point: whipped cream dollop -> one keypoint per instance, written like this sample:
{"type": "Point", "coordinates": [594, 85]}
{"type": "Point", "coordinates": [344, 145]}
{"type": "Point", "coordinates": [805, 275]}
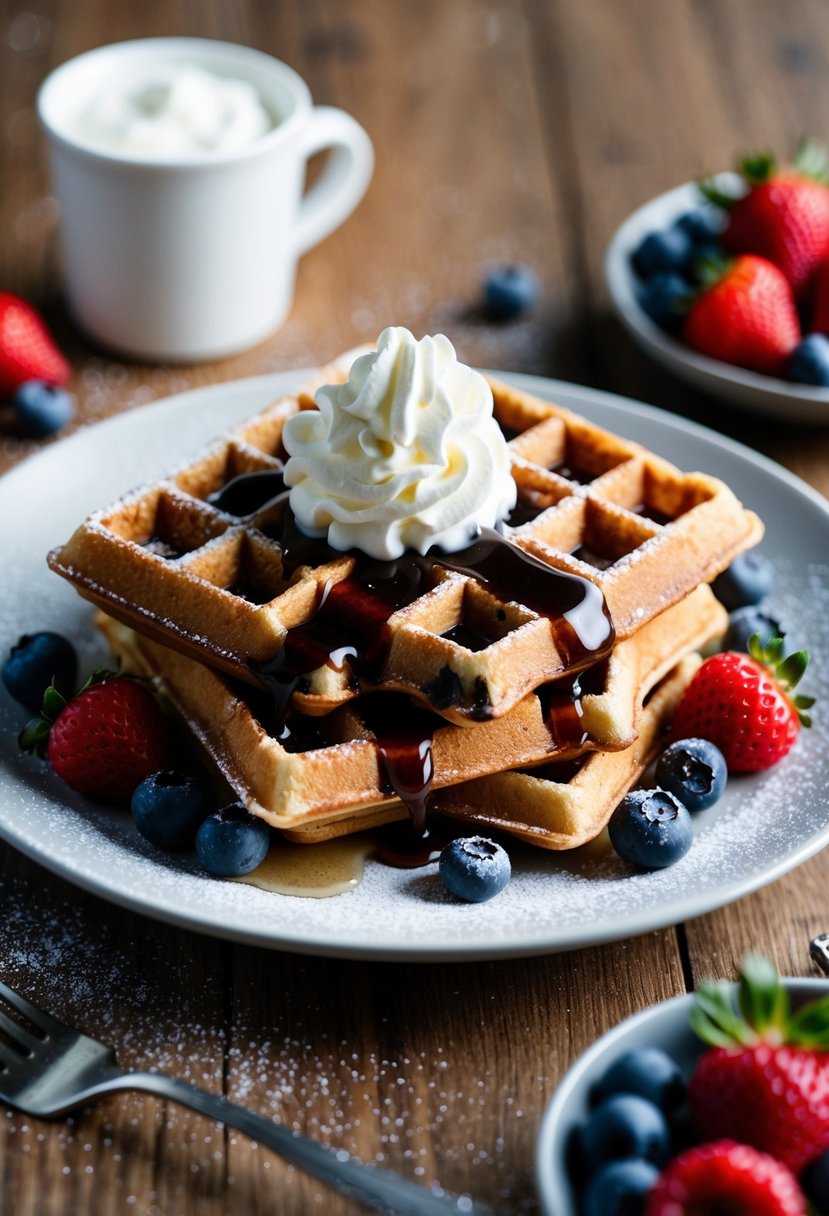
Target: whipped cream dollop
{"type": "Point", "coordinates": [173, 110]}
{"type": "Point", "coordinates": [405, 455]}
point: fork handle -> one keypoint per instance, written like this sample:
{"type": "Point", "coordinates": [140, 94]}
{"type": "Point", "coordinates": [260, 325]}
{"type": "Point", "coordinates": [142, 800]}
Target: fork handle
{"type": "Point", "coordinates": [374, 1187]}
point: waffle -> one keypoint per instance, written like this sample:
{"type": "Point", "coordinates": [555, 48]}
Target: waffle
{"type": "Point", "coordinates": [325, 769]}
{"type": "Point", "coordinates": [558, 806]}
{"type": "Point", "coordinates": [184, 570]}
{"type": "Point", "coordinates": [566, 804]}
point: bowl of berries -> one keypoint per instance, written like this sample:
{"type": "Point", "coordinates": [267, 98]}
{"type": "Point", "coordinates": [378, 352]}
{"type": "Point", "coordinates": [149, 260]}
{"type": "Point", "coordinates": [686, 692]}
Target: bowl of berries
{"type": "Point", "coordinates": [726, 283]}
{"type": "Point", "coordinates": [712, 1102]}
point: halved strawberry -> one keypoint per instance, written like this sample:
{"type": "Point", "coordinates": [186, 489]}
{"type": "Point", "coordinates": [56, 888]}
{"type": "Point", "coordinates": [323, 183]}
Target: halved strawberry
{"type": "Point", "coordinates": [104, 741]}
{"type": "Point", "coordinates": [741, 703]}
{"type": "Point", "coordinates": [27, 350]}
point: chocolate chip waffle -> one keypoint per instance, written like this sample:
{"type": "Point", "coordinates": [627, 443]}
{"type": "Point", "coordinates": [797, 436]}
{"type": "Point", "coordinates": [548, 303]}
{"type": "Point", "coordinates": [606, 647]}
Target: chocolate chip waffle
{"type": "Point", "coordinates": [607, 535]}
{"type": "Point", "coordinates": [323, 769]}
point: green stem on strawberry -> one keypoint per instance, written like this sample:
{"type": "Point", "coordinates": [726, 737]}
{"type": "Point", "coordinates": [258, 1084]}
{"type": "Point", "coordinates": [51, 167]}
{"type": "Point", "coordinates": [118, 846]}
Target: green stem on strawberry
{"type": "Point", "coordinates": [763, 1012]}
{"type": "Point", "coordinates": [34, 737]}
{"type": "Point", "coordinates": [788, 671]}
{"type": "Point", "coordinates": [812, 160]}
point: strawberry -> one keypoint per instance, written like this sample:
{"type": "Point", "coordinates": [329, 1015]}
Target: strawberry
{"type": "Point", "coordinates": [725, 1177]}
{"type": "Point", "coordinates": [104, 741]}
{"type": "Point", "coordinates": [746, 315]}
{"type": "Point", "coordinates": [765, 1079]}
{"type": "Point", "coordinates": [27, 351]}
{"type": "Point", "coordinates": [782, 213]}
{"type": "Point", "coordinates": [740, 702]}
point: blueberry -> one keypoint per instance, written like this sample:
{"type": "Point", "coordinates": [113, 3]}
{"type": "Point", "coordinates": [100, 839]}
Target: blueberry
{"type": "Point", "coordinates": [509, 291]}
{"type": "Point", "coordinates": [651, 829]}
{"type": "Point", "coordinates": [625, 1125]}
{"type": "Point", "coordinates": [658, 252]}
{"type": "Point", "coordinates": [704, 225]}
{"type": "Point", "coordinates": [749, 579]}
{"type": "Point", "coordinates": [809, 361]}
{"type": "Point", "coordinates": [648, 1072]}
{"type": "Point", "coordinates": [474, 869]}
{"type": "Point", "coordinates": [620, 1189]}
{"type": "Point", "coordinates": [42, 408]}
{"type": "Point", "coordinates": [744, 622]}
{"type": "Point", "coordinates": [694, 770]}
{"type": "Point", "coordinates": [815, 1182]}
{"type": "Point", "coordinates": [168, 807]}
{"type": "Point", "coordinates": [32, 664]}
{"type": "Point", "coordinates": [232, 841]}
{"type": "Point", "coordinates": [663, 298]}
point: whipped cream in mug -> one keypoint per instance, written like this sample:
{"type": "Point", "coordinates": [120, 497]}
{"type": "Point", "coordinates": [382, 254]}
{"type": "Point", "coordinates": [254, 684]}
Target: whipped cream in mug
{"type": "Point", "coordinates": [405, 455]}
{"type": "Point", "coordinates": [173, 110]}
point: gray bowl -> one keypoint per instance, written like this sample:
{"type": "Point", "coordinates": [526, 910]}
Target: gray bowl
{"type": "Point", "coordinates": [664, 1025]}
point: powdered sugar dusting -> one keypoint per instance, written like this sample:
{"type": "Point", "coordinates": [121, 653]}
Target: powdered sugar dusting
{"type": "Point", "coordinates": [764, 825]}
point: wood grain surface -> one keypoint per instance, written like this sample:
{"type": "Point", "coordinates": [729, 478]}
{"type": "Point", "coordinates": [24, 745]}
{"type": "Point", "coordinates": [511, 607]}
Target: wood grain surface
{"type": "Point", "coordinates": [503, 131]}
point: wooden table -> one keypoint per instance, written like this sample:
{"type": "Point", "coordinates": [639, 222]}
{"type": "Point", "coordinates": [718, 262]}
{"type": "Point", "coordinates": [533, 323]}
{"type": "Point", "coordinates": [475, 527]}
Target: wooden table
{"type": "Point", "coordinates": [503, 131]}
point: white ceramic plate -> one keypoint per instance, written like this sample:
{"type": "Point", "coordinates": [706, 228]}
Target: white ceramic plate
{"type": "Point", "coordinates": [664, 1025]}
{"type": "Point", "coordinates": [747, 390]}
{"type": "Point", "coordinates": [763, 827]}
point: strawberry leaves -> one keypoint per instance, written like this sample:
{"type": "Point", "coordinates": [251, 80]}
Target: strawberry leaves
{"type": "Point", "coordinates": [762, 1014]}
{"type": "Point", "coordinates": [788, 672]}
{"type": "Point", "coordinates": [34, 737]}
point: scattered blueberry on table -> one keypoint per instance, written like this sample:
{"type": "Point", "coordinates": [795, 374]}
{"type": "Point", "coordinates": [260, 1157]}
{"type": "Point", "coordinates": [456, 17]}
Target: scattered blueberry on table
{"type": "Point", "coordinates": [509, 291]}
{"type": "Point", "coordinates": [34, 662]}
{"type": "Point", "coordinates": [41, 408]}
{"type": "Point", "coordinates": [474, 869]}
{"type": "Point", "coordinates": [168, 808]}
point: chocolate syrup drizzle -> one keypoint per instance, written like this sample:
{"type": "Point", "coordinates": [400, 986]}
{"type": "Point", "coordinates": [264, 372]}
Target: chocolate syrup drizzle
{"type": "Point", "coordinates": [349, 627]}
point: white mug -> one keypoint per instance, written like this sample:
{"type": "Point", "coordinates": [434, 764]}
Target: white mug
{"type": "Point", "coordinates": [194, 258]}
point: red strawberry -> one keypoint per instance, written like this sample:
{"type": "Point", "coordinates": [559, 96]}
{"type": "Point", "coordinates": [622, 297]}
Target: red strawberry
{"type": "Point", "coordinates": [105, 740]}
{"type": "Point", "coordinates": [27, 351]}
{"type": "Point", "coordinates": [765, 1080]}
{"type": "Point", "coordinates": [725, 1177]}
{"type": "Point", "coordinates": [783, 215]}
{"type": "Point", "coordinates": [819, 322]}
{"type": "Point", "coordinates": [740, 702]}
{"type": "Point", "coordinates": [746, 316]}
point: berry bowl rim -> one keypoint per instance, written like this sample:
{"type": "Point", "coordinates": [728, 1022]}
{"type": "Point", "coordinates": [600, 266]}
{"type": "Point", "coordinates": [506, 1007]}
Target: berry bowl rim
{"type": "Point", "coordinates": [741, 388]}
{"type": "Point", "coordinates": [662, 1025]}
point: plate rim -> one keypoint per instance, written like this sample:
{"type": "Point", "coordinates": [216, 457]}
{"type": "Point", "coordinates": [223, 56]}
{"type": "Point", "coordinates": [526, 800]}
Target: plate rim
{"type": "Point", "coordinates": [770, 394]}
{"type": "Point", "coordinates": [274, 384]}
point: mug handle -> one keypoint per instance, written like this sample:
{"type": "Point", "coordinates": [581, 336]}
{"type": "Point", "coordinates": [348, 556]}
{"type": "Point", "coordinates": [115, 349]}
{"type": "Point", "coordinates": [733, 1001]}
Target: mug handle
{"type": "Point", "coordinates": [343, 181]}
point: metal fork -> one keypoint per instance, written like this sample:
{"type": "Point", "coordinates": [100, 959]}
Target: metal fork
{"type": "Point", "coordinates": [48, 1069]}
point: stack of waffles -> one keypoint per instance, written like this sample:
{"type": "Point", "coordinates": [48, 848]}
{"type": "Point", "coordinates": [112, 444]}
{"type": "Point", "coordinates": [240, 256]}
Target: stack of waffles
{"type": "Point", "coordinates": [522, 684]}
